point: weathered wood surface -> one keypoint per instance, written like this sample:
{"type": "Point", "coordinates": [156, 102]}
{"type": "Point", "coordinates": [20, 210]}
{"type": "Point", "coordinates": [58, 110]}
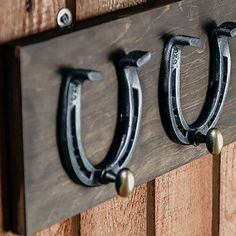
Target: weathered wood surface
{"type": "Point", "coordinates": [64, 229]}
{"type": "Point", "coordinates": [228, 191]}
{"type": "Point", "coordinates": [89, 8]}
{"type": "Point", "coordinates": [183, 200]}
{"type": "Point", "coordinates": [17, 22]}
{"type": "Point", "coordinates": [155, 153]}
{"type": "Point", "coordinates": [117, 216]}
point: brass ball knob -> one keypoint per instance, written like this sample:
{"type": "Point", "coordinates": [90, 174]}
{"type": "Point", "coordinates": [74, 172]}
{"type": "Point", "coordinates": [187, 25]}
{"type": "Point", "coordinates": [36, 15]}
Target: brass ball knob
{"type": "Point", "coordinates": [214, 141]}
{"type": "Point", "coordinates": [124, 182]}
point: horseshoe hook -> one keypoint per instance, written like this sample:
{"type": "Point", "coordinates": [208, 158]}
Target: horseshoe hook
{"type": "Point", "coordinates": [113, 168]}
{"type": "Point", "coordinates": [202, 130]}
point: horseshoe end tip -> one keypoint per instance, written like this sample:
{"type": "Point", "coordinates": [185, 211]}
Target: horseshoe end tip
{"type": "Point", "coordinates": [95, 75]}
{"type": "Point", "coordinates": [144, 58]}
{"type": "Point", "coordinates": [184, 40]}
{"type": "Point", "coordinates": [195, 42]}
{"type": "Point", "coordinates": [136, 58]}
{"type": "Point", "coordinates": [227, 29]}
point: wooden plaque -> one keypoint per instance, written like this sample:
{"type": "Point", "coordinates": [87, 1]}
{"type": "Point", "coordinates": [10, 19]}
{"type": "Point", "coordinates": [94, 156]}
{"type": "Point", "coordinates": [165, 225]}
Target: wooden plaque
{"type": "Point", "coordinates": [41, 192]}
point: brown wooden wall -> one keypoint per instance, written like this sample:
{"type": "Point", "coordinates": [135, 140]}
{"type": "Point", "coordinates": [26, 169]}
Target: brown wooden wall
{"type": "Point", "coordinates": [196, 199]}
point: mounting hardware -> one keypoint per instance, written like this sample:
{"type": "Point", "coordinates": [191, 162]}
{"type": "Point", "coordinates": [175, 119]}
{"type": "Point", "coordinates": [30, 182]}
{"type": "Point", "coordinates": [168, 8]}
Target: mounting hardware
{"type": "Point", "coordinates": [213, 140]}
{"type": "Point", "coordinates": [124, 181]}
{"type": "Point", "coordinates": [64, 17]}
{"type": "Point", "coordinates": [113, 168]}
{"type": "Point", "coordinates": [173, 119]}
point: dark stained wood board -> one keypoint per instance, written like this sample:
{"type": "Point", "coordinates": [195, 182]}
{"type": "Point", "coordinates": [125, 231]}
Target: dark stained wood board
{"type": "Point", "coordinates": [48, 193]}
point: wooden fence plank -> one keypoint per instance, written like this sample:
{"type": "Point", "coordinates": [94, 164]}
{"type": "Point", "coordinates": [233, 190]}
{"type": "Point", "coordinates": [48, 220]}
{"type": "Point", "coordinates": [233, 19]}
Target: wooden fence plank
{"type": "Point", "coordinates": [126, 217]}
{"type": "Point", "coordinates": [63, 229]}
{"type": "Point", "coordinates": [183, 200]}
{"type": "Point", "coordinates": [89, 8]}
{"type": "Point", "coordinates": [17, 22]}
{"type": "Point", "coordinates": [228, 191]}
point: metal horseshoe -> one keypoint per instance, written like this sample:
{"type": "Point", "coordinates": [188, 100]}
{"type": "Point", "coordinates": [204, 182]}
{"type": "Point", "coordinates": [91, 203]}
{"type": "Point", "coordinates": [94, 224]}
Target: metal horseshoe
{"type": "Point", "coordinates": [113, 168]}
{"type": "Point", "coordinates": [201, 131]}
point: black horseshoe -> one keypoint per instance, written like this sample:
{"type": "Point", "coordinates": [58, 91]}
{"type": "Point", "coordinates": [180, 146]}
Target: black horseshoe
{"type": "Point", "coordinates": [78, 167]}
{"type": "Point", "coordinates": [173, 119]}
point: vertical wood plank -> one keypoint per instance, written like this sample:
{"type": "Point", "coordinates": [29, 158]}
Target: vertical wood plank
{"type": "Point", "coordinates": [126, 217]}
{"type": "Point", "coordinates": [89, 8]}
{"type": "Point", "coordinates": [228, 191]}
{"type": "Point", "coordinates": [183, 200]}
{"type": "Point", "coordinates": [65, 228]}
{"type": "Point", "coordinates": [17, 22]}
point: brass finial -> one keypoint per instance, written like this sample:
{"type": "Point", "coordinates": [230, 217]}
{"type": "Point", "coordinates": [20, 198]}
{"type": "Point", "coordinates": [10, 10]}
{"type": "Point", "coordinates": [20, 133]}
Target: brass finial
{"type": "Point", "coordinates": [124, 182]}
{"type": "Point", "coordinates": [214, 141]}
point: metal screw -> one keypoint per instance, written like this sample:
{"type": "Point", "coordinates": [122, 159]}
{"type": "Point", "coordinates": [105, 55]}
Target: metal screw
{"type": "Point", "coordinates": [64, 17]}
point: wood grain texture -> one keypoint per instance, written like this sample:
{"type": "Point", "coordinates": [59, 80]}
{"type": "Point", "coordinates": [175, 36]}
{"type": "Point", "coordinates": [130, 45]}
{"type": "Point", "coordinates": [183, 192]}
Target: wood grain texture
{"type": "Point", "coordinates": [17, 22]}
{"type": "Point", "coordinates": [183, 200]}
{"type": "Point", "coordinates": [63, 229]}
{"type": "Point", "coordinates": [228, 191]}
{"type": "Point", "coordinates": [89, 8]}
{"type": "Point", "coordinates": [117, 216]}
{"type": "Point", "coordinates": [155, 153]}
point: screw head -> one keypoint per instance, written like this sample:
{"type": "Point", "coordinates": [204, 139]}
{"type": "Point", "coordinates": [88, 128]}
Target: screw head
{"type": "Point", "coordinates": [64, 17]}
{"type": "Point", "coordinates": [124, 182]}
{"type": "Point", "coordinates": [214, 141]}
